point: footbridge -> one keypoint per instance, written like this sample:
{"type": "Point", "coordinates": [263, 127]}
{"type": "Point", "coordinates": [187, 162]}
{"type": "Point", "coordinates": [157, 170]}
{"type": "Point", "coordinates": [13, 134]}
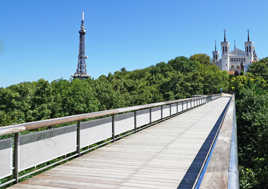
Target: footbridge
{"type": "Point", "coordinates": [187, 143]}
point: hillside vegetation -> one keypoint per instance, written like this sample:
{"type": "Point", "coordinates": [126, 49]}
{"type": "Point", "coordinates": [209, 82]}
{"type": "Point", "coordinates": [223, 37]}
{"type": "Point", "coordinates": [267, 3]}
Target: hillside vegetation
{"type": "Point", "coordinates": [178, 78]}
{"type": "Point", "coordinates": [252, 119]}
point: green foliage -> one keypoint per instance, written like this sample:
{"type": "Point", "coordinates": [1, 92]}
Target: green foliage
{"type": "Point", "coordinates": [201, 58]}
{"type": "Point", "coordinates": [252, 120]}
{"type": "Point", "coordinates": [260, 68]}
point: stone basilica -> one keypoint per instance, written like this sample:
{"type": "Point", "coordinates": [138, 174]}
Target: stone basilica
{"type": "Point", "coordinates": [235, 61]}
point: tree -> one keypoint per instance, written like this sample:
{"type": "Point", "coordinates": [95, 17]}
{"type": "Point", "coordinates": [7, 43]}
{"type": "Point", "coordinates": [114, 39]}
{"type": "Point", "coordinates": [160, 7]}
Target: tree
{"type": "Point", "coordinates": [201, 58]}
{"type": "Point", "coordinates": [260, 68]}
{"type": "Point", "coordinates": [81, 98]}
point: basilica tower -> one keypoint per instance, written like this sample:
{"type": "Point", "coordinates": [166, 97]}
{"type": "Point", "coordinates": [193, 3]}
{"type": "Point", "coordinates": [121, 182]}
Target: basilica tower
{"type": "Point", "coordinates": [250, 52]}
{"type": "Point", "coordinates": [249, 48]}
{"type": "Point", "coordinates": [81, 71]}
{"type": "Point", "coordinates": [215, 54]}
{"type": "Point", "coordinates": [225, 46]}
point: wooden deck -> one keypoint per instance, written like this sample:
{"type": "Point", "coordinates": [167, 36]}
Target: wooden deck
{"type": "Point", "coordinates": [157, 157]}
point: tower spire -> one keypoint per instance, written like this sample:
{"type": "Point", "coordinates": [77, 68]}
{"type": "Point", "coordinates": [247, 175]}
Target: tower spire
{"type": "Point", "coordinates": [248, 36]}
{"type": "Point", "coordinates": [215, 54]}
{"type": "Point", "coordinates": [81, 71]}
{"type": "Point", "coordinates": [83, 16]}
{"type": "Point", "coordinates": [234, 44]}
{"type": "Point", "coordinates": [82, 22]}
{"type": "Point", "coordinates": [225, 35]}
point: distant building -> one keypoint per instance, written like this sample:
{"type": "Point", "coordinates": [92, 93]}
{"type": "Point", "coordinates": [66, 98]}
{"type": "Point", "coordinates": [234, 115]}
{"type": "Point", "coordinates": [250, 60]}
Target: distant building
{"type": "Point", "coordinates": [81, 71]}
{"type": "Point", "coordinates": [235, 61]}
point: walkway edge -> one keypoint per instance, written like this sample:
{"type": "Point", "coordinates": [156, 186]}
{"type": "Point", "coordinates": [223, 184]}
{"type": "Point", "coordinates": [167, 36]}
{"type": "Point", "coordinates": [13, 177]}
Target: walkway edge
{"type": "Point", "coordinates": [222, 168]}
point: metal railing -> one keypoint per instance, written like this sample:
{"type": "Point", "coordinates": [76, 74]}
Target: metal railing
{"type": "Point", "coordinates": [194, 174]}
{"type": "Point", "coordinates": [233, 173]}
{"type": "Point", "coordinates": [213, 135]}
{"type": "Point", "coordinates": [205, 162]}
{"type": "Point", "coordinates": [15, 130]}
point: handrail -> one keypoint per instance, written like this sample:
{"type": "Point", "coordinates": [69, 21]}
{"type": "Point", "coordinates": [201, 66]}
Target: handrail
{"type": "Point", "coordinates": [233, 173]}
{"type": "Point", "coordinates": [218, 126]}
{"type": "Point", "coordinates": [51, 122]}
{"type": "Point", "coordinates": [194, 174]}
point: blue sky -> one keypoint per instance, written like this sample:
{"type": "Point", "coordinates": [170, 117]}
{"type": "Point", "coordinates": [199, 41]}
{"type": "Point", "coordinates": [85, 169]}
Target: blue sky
{"type": "Point", "coordinates": [39, 38]}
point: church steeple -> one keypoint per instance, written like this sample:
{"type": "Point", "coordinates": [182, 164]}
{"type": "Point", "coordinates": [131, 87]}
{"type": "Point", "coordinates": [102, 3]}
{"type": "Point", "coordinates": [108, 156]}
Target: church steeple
{"type": "Point", "coordinates": [225, 45]}
{"type": "Point", "coordinates": [249, 47]}
{"type": "Point", "coordinates": [234, 44]}
{"type": "Point", "coordinates": [215, 54]}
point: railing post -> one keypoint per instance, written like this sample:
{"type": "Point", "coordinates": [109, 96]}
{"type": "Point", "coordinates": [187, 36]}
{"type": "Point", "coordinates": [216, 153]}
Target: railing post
{"type": "Point", "coordinates": [135, 121]}
{"type": "Point", "coordinates": [177, 107]}
{"type": "Point", "coordinates": [150, 115]}
{"type": "Point", "coordinates": [113, 137]}
{"type": "Point", "coordinates": [16, 158]}
{"type": "Point", "coordinates": [170, 110]}
{"type": "Point", "coordinates": [161, 111]}
{"type": "Point", "coordinates": [78, 138]}
{"type": "Point", "coordinates": [182, 106]}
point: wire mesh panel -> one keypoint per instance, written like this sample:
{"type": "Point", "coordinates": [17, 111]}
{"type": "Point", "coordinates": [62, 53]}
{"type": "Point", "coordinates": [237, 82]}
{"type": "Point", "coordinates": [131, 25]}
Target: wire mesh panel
{"type": "Point", "coordinates": [166, 111]}
{"type": "Point", "coordinates": [156, 113]}
{"type": "Point", "coordinates": [173, 109]}
{"type": "Point", "coordinates": [39, 147]}
{"type": "Point", "coordinates": [5, 158]}
{"type": "Point", "coordinates": [95, 131]}
{"type": "Point", "coordinates": [143, 117]}
{"type": "Point", "coordinates": [124, 122]}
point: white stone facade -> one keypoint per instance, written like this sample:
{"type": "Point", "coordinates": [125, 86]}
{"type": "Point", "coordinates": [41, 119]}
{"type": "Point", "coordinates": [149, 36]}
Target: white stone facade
{"type": "Point", "coordinates": [235, 61]}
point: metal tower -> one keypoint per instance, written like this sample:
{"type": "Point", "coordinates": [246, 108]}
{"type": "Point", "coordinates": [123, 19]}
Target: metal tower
{"type": "Point", "coordinates": [81, 71]}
